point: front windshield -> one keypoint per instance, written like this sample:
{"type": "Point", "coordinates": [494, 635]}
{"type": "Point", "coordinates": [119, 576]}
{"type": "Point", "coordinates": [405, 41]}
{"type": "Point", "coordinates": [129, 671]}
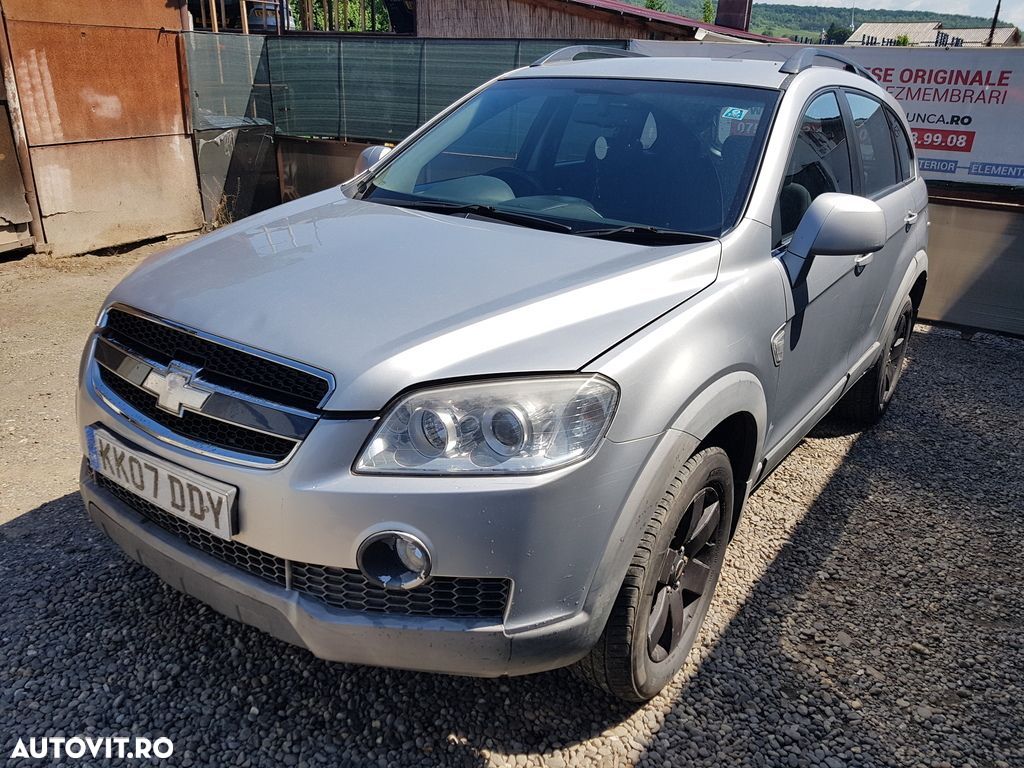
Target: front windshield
{"type": "Point", "coordinates": [591, 154]}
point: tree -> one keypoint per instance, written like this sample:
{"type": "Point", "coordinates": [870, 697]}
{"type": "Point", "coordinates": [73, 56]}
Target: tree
{"type": "Point", "coordinates": [707, 12]}
{"type": "Point", "coordinates": [837, 33]}
{"type": "Point", "coordinates": [376, 13]}
{"type": "Point", "coordinates": [655, 5]}
{"type": "Point", "coordinates": [903, 40]}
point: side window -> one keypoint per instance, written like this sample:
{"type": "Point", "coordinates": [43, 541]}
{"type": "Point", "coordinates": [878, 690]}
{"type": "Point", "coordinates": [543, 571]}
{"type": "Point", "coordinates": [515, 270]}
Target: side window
{"type": "Point", "coordinates": [904, 151]}
{"type": "Point", "coordinates": [875, 142]}
{"type": "Point", "coordinates": [820, 163]}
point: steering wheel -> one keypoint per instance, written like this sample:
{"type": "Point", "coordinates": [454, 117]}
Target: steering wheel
{"type": "Point", "coordinates": [522, 183]}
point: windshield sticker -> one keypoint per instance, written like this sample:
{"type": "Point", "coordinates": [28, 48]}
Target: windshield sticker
{"type": "Point", "coordinates": [734, 113]}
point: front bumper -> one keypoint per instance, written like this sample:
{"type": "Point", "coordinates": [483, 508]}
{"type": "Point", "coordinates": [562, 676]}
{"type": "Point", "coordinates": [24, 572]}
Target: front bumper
{"type": "Point", "coordinates": [563, 539]}
{"type": "Point", "coordinates": [454, 646]}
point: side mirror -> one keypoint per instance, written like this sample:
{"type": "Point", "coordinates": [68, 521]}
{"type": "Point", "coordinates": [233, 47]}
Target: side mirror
{"type": "Point", "coordinates": [839, 225]}
{"type": "Point", "coordinates": [369, 157]}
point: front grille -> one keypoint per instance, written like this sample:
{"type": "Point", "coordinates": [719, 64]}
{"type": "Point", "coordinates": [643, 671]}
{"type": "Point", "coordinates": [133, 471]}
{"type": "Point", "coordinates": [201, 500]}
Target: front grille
{"type": "Point", "coordinates": [198, 427]}
{"type": "Point", "coordinates": [447, 597]}
{"type": "Point", "coordinates": [221, 364]}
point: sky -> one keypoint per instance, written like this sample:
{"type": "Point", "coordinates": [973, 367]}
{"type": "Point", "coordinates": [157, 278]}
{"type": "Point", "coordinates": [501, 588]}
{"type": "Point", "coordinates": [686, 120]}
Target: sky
{"type": "Point", "coordinates": [1012, 10]}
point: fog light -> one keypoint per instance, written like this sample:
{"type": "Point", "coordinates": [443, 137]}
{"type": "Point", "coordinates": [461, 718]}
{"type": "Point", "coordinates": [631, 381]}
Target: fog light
{"type": "Point", "coordinates": [394, 560]}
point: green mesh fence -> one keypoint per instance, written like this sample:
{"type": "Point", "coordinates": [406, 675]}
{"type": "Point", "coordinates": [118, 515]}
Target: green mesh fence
{"type": "Point", "coordinates": [229, 80]}
{"type": "Point", "coordinates": [375, 89]}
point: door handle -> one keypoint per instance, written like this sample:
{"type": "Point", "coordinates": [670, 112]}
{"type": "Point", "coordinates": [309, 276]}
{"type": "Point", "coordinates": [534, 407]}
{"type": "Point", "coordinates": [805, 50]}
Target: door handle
{"type": "Point", "coordinates": [862, 261]}
{"type": "Point", "coordinates": [910, 219]}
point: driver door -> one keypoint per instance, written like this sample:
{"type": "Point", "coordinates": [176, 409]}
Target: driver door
{"type": "Point", "coordinates": [813, 348]}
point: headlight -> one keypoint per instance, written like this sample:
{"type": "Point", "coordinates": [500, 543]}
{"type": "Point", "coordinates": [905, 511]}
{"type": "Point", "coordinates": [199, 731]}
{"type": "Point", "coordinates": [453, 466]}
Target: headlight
{"type": "Point", "coordinates": [506, 426]}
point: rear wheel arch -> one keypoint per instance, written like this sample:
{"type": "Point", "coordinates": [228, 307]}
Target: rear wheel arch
{"type": "Point", "coordinates": [917, 292]}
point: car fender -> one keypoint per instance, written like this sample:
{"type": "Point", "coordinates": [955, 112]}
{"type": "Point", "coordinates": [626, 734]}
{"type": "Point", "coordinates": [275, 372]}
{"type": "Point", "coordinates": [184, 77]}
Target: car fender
{"type": "Point", "coordinates": [732, 393]}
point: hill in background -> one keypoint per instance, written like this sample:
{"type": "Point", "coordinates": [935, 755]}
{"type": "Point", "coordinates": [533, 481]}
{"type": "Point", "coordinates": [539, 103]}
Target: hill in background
{"type": "Point", "coordinates": [809, 20]}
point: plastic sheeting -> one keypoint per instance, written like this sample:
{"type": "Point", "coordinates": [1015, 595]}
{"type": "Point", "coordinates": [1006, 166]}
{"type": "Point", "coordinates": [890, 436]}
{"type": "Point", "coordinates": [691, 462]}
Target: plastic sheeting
{"type": "Point", "coordinates": [336, 87]}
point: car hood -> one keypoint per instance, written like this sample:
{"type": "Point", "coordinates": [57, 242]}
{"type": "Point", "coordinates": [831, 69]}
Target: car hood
{"type": "Point", "coordinates": [385, 298]}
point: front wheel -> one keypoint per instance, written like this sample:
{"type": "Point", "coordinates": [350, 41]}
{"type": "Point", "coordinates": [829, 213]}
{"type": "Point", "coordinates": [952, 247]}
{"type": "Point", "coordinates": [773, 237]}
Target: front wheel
{"type": "Point", "coordinates": [868, 399]}
{"type": "Point", "coordinates": [669, 585]}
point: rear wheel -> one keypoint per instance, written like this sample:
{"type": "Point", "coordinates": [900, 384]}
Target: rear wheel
{"type": "Point", "coordinates": [669, 585]}
{"type": "Point", "coordinates": [869, 398]}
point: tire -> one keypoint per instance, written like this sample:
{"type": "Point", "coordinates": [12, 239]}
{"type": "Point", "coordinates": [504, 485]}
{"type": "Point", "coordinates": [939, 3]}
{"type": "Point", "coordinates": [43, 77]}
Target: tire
{"type": "Point", "coordinates": [668, 566]}
{"type": "Point", "coordinates": [868, 399]}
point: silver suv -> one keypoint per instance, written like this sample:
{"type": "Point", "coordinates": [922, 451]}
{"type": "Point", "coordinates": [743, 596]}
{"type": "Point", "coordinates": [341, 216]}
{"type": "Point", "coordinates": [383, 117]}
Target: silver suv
{"type": "Point", "coordinates": [495, 405]}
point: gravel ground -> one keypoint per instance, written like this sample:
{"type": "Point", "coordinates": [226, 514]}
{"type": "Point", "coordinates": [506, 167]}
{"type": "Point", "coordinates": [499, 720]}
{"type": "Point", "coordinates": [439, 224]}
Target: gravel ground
{"type": "Point", "coordinates": [870, 614]}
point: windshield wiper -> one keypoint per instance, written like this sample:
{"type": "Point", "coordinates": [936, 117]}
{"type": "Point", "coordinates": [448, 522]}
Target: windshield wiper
{"type": "Point", "coordinates": [638, 233]}
{"type": "Point", "coordinates": [478, 209]}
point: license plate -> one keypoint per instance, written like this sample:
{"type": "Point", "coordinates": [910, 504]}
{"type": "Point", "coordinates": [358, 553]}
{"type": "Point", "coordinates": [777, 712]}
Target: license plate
{"type": "Point", "coordinates": [204, 502]}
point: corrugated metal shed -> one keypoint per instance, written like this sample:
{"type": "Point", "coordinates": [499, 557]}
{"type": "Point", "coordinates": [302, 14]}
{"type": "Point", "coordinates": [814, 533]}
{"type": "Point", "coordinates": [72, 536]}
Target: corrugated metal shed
{"type": "Point", "coordinates": [924, 33]}
{"type": "Point", "coordinates": [920, 33]}
{"type": "Point", "coordinates": [1004, 36]}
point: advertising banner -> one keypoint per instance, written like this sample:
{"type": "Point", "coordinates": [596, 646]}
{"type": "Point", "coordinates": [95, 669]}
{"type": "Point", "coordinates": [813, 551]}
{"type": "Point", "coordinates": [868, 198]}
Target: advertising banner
{"type": "Point", "coordinates": [965, 108]}
{"type": "Point", "coordinates": [965, 105]}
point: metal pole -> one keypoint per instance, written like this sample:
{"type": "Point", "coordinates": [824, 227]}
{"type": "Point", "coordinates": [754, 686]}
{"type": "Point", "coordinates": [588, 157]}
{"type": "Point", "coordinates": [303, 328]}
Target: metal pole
{"type": "Point", "coordinates": [995, 20]}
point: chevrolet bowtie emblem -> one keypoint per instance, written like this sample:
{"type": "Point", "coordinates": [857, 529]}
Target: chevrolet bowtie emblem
{"type": "Point", "coordinates": [174, 389]}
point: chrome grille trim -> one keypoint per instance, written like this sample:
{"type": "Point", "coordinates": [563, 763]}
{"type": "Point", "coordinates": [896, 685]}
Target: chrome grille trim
{"type": "Point", "coordinates": [255, 431]}
{"type": "Point", "coordinates": [159, 432]}
{"type": "Point", "coordinates": [251, 412]}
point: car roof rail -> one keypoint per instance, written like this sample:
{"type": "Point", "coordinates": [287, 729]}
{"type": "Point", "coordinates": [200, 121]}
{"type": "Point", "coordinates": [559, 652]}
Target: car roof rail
{"type": "Point", "coordinates": [576, 52]}
{"type": "Point", "coordinates": [804, 59]}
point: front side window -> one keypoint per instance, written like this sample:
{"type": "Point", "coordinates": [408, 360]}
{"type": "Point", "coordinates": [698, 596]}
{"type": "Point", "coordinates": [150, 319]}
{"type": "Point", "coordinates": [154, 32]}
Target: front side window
{"type": "Point", "coordinates": [874, 141]}
{"type": "Point", "coordinates": [591, 154]}
{"type": "Point", "coordinates": [820, 163]}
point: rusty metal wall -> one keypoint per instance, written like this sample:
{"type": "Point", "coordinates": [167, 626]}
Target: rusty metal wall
{"type": "Point", "coordinates": [101, 96]}
{"type": "Point", "coordinates": [152, 14]}
{"type": "Point", "coordinates": [112, 192]}
{"type": "Point", "coordinates": [73, 88]}
{"type": "Point", "coordinates": [976, 262]}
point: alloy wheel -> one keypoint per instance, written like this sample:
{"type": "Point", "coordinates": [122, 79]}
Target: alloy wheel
{"type": "Point", "coordinates": [896, 353]}
{"type": "Point", "coordinates": [685, 578]}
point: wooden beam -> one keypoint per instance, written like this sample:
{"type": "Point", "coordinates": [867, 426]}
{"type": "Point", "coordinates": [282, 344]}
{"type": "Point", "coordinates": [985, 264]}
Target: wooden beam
{"type": "Point", "coordinates": [245, 16]}
{"type": "Point", "coordinates": [35, 226]}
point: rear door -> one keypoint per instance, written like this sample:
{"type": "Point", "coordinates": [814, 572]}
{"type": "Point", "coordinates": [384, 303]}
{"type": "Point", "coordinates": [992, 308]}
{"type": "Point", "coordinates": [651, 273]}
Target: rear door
{"type": "Point", "coordinates": [883, 164]}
